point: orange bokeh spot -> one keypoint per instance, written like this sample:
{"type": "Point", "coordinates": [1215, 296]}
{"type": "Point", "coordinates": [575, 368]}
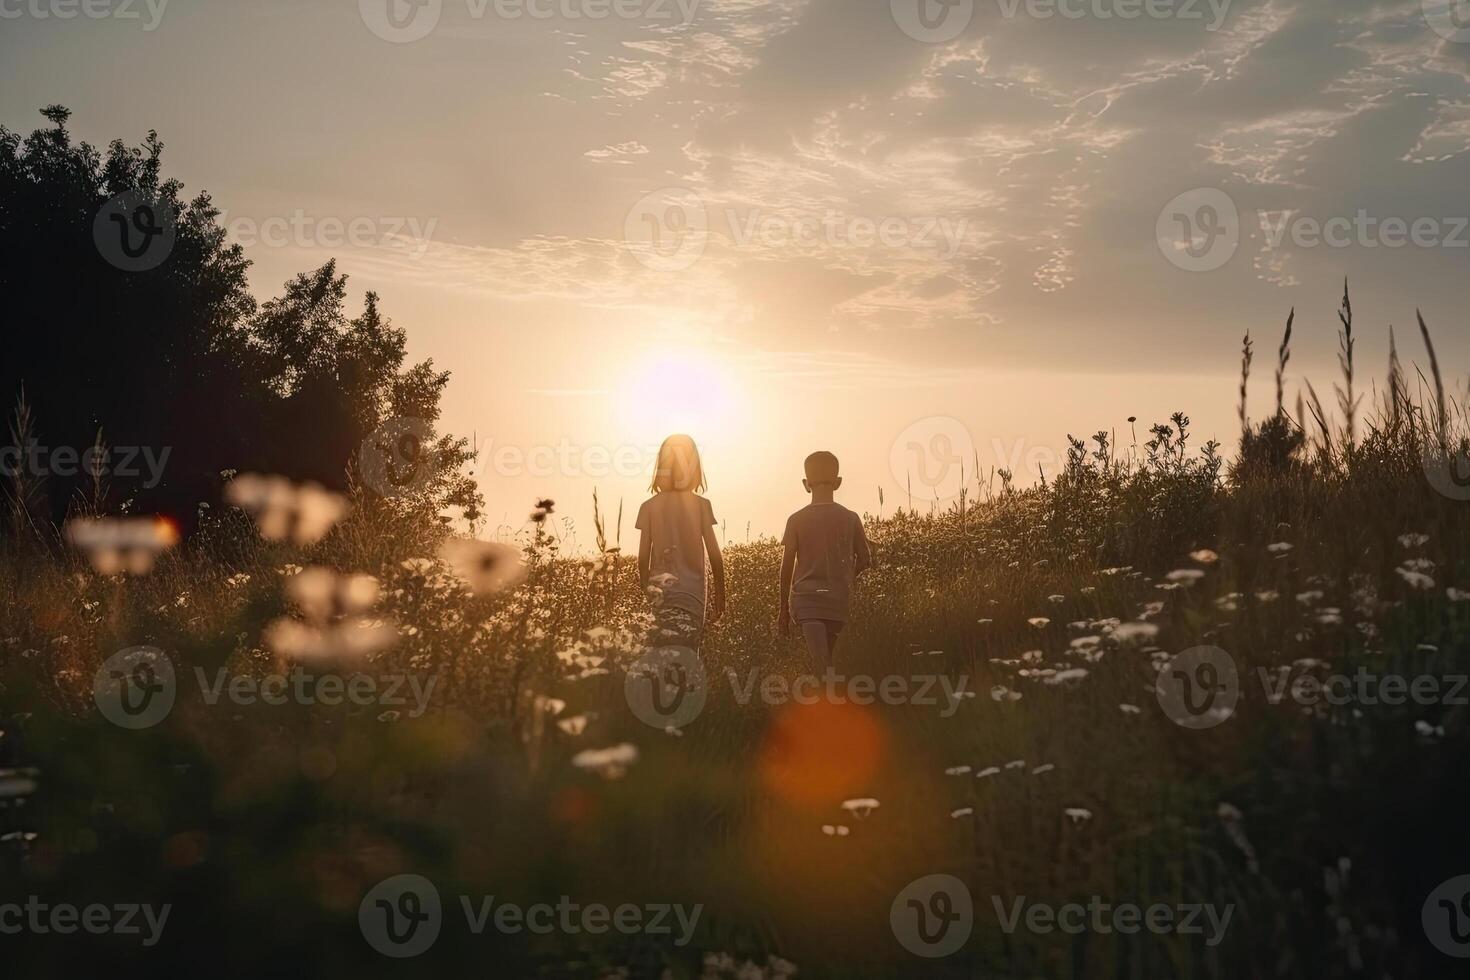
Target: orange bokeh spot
{"type": "Point", "coordinates": [167, 530]}
{"type": "Point", "coordinates": [571, 806]}
{"type": "Point", "coordinates": [815, 755]}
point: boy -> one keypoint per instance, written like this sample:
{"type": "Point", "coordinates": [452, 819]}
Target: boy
{"type": "Point", "coordinates": [826, 550]}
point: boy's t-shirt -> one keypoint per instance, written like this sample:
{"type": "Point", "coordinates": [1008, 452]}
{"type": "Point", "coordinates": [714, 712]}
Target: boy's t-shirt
{"type": "Point", "coordinates": [827, 538]}
{"type": "Point", "coordinates": [676, 521]}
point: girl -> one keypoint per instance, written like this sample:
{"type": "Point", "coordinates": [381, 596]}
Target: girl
{"type": "Point", "coordinates": [678, 528]}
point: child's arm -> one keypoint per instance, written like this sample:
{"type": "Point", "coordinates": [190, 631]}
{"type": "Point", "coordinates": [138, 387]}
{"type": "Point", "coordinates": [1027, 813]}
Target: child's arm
{"type": "Point", "coordinates": [788, 570]}
{"type": "Point", "coordinates": [863, 557]}
{"type": "Point", "coordinates": [717, 572]}
{"type": "Point", "coordinates": [645, 557]}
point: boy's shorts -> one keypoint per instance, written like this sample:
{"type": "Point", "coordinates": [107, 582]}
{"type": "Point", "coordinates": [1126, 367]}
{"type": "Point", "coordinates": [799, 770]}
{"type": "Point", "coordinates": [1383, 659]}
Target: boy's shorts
{"type": "Point", "coordinates": [674, 627]}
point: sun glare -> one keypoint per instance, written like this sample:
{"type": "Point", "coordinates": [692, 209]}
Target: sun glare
{"type": "Point", "coordinates": [680, 391]}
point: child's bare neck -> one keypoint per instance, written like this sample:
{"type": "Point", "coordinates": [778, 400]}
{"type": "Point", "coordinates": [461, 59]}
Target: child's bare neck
{"type": "Point", "coordinates": [822, 496]}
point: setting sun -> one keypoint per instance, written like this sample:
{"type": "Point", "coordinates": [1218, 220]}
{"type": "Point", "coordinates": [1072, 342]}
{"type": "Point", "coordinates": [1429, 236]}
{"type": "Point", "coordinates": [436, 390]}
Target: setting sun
{"type": "Point", "coordinates": [679, 391]}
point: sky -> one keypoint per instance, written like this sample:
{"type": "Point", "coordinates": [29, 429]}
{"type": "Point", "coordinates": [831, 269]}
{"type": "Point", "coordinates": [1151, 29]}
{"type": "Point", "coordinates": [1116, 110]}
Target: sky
{"type": "Point", "coordinates": [917, 233]}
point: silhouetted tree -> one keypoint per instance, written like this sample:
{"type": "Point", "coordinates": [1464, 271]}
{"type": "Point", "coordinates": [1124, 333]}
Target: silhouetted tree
{"type": "Point", "coordinates": [179, 356]}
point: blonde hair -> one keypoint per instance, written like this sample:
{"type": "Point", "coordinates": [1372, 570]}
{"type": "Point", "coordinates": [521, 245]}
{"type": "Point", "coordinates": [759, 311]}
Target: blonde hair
{"type": "Point", "coordinates": [678, 467]}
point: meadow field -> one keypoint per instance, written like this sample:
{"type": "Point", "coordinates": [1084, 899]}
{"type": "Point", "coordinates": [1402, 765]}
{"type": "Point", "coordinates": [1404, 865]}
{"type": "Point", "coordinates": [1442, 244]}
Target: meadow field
{"type": "Point", "coordinates": [1113, 689]}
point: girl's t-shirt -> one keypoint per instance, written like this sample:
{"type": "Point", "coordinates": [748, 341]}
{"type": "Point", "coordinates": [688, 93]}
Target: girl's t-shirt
{"type": "Point", "coordinates": [676, 521]}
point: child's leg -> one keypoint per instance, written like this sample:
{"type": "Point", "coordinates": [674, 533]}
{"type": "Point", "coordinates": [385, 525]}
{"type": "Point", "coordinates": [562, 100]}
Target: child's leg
{"type": "Point", "coordinates": [818, 646]}
{"type": "Point", "coordinates": [834, 630]}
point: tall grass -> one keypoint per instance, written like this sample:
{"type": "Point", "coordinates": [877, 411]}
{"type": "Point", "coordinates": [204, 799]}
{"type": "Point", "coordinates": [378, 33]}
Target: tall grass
{"type": "Point", "coordinates": [1324, 827]}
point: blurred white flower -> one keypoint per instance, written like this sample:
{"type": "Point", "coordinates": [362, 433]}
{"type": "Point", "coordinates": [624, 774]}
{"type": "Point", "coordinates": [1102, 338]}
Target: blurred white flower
{"type": "Point", "coordinates": [1413, 540]}
{"type": "Point", "coordinates": [1185, 576]}
{"type": "Point", "coordinates": [1129, 633]}
{"type": "Point", "coordinates": [575, 725]}
{"type": "Point", "coordinates": [1280, 548]}
{"type": "Point", "coordinates": [609, 763]}
{"type": "Point", "coordinates": [1415, 580]}
{"type": "Point", "coordinates": [1039, 621]}
{"type": "Point", "coordinates": [1457, 595]}
{"type": "Point", "coordinates": [485, 567]}
{"type": "Point", "coordinates": [117, 545]}
{"type": "Point", "coordinates": [1204, 556]}
{"type": "Point", "coordinates": [17, 782]}
{"type": "Point", "coordinates": [862, 809]}
{"type": "Point", "coordinates": [333, 624]}
{"type": "Point", "coordinates": [1067, 676]}
{"type": "Point", "coordinates": [964, 811]}
{"type": "Point", "coordinates": [1078, 814]}
{"type": "Point", "coordinates": [286, 511]}
{"type": "Point", "coordinates": [839, 830]}
{"type": "Point", "coordinates": [1427, 730]}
